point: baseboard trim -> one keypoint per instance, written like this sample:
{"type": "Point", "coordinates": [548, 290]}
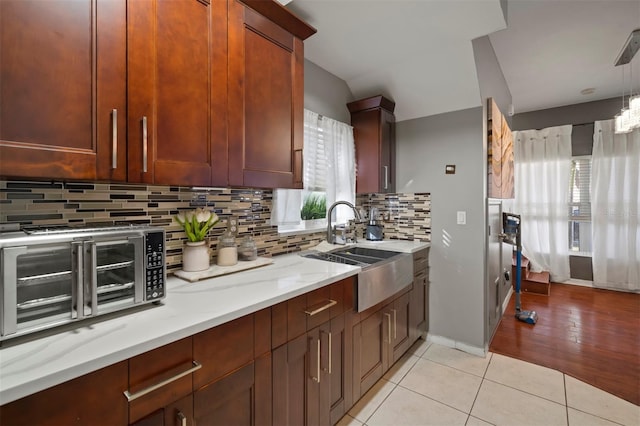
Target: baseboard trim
{"type": "Point", "coordinates": [505, 302]}
{"type": "Point", "coordinates": [445, 341]}
{"type": "Point", "coordinates": [576, 281]}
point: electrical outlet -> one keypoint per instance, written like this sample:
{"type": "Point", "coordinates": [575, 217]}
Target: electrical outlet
{"type": "Point", "coordinates": [462, 218]}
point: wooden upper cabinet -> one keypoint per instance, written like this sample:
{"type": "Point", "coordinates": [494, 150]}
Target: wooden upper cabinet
{"type": "Point", "coordinates": [374, 134]}
{"type": "Point", "coordinates": [499, 154]}
{"type": "Point", "coordinates": [62, 76]}
{"type": "Point", "coordinates": [266, 96]}
{"type": "Point", "coordinates": [177, 80]}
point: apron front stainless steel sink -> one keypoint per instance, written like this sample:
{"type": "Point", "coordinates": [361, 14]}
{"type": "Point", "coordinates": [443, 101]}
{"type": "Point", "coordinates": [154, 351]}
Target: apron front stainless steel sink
{"type": "Point", "coordinates": [383, 273]}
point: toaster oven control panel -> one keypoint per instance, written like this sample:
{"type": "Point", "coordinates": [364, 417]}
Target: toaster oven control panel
{"type": "Point", "coordinates": [155, 277]}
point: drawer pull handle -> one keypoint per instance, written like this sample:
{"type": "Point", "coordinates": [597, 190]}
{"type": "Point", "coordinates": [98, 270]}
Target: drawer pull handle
{"type": "Point", "coordinates": [143, 392]}
{"type": "Point", "coordinates": [315, 309]}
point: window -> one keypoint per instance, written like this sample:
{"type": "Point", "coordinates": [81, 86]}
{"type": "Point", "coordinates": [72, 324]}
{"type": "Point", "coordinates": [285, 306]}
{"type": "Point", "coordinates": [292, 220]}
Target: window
{"type": "Point", "coordinates": [580, 206]}
{"type": "Point", "coordinates": [328, 175]}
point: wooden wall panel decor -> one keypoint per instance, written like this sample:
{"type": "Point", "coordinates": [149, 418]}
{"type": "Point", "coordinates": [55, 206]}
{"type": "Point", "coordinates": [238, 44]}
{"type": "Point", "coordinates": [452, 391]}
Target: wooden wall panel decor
{"type": "Point", "coordinates": [500, 172]}
{"type": "Point", "coordinates": [507, 171]}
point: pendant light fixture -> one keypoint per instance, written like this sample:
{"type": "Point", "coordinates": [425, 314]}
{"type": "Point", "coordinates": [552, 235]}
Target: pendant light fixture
{"type": "Point", "coordinates": [629, 117]}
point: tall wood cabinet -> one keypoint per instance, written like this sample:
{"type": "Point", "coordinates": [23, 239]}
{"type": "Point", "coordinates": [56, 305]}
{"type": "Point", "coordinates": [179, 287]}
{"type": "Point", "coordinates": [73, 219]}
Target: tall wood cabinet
{"type": "Point", "coordinates": [500, 165]}
{"type": "Point", "coordinates": [177, 73]}
{"type": "Point", "coordinates": [63, 86]}
{"type": "Point", "coordinates": [374, 134]}
{"type": "Point", "coordinates": [183, 92]}
{"type": "Point", "coordinates": [266, 100]}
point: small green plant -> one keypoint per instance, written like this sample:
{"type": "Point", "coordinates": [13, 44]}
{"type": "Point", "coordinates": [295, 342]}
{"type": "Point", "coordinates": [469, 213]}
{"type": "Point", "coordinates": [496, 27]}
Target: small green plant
{"type": "Point", "coordinates": [314, 207]}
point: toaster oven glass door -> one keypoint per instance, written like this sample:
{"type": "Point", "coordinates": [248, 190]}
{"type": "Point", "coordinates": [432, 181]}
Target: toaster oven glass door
{"type": "Point", "coordinates": [116, 274]}
{"type": "Point", "coordinates": [40, 286]}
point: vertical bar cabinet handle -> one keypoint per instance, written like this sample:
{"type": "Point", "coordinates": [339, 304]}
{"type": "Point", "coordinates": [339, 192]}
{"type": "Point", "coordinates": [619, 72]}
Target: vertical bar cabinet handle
{"type": "Point", "coordinates": [182, 419]}
{"type": "Point", "coordinates": [395, 323]}
{"type": "Point", "coordinates": [329, 352]}
{"type": "Point", "coordinates": [114, 138]}
{"type": "Point", "coordinates": [318, 369]}
{"type": "Point", "coordinates": [389, 328]}
{"type": "Point", "coordinates": [145, 136]}
{"type": "Point", "coordinates": [386, 177]}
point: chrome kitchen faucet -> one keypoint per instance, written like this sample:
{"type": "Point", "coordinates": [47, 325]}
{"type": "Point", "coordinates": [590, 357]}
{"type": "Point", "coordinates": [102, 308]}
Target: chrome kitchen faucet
{"type": "Point", "coordinates": [331, 230]}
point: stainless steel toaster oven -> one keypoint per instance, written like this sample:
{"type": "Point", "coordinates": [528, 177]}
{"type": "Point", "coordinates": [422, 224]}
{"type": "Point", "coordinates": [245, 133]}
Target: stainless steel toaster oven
{"type": "Point", "coordinates": [56, 275]}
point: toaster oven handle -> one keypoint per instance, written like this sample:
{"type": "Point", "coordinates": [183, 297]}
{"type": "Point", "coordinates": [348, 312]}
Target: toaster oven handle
{"type": "Point", "coordinates": [93, 271]}
{"type": "Point", "coordinates": [9, 287]}
{"type": "Point", "coordinates": [78, 279]}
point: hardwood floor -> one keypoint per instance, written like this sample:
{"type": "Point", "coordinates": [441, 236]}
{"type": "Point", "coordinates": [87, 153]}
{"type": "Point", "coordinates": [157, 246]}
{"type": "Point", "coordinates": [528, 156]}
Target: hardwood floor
{"type": "Point", "coordinates": [590, 334]}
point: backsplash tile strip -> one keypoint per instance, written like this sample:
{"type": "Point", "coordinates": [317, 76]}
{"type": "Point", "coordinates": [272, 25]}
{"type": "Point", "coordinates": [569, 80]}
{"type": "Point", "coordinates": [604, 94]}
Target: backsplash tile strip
{"type": "Point", "coordinates": [48, 203]}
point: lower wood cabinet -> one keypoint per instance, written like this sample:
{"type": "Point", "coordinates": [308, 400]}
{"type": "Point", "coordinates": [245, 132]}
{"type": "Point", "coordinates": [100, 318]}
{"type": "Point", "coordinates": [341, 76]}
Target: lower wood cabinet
{"type": "Point", "coordinates": [178, 413]}
{"type": "Point", "coordinates": [398, 316]}
{"type": "Point", "coordinates": [305, 361]}
{"type": "Point", "coordinates": [419, 295]}
{"type": "Point", "coordinates": [240, 398]}
{"type": "Point", "coordinates": [93, 399]}
{"type": "Point", "coordinates": [312, 372]}
{"type": "Point", "coordinates": [370, 351]}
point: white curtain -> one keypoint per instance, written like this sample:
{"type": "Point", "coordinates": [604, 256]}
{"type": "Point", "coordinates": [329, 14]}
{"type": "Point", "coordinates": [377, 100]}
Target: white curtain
{"type": "Point", "coordinates": [542, 161]}
{"type": "Point", "coordinates": [615, 202]}
{"type": "Point", "coordinates": [329, 166]}
{"type": "Point", "coordinates": [340, 154]}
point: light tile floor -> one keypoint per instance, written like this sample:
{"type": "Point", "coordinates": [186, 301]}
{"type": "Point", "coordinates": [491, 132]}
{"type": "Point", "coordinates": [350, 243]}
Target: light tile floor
{"type": "Point", "coordinates": [436, 385]}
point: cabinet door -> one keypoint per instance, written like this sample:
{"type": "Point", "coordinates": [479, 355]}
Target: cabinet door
{"type": "Point", "coordinates": [177, 92]}
{"type": "Point", "coordinates": [340, 349]}
{"type": "Point", "coordinates": [400, 341]}
{"type": "Point", "coordinates": [179, 413]}
{"type": "Point", "coordinates": [291, 372]}
{"type": "Point", "coordinates": [62, 76]}
{"type": "Point", "coordinates": [371, 340]}
{"type": "Point", "coordinates": [418, 306]}
{"type": "Point", "coordinates": [387, 151]}
{"type": "Point", "coordinates": [92, 399]}
{"type": "Point", "coordinates": [266, 97]}
{"type": "Point", "coordinates": [234, 399]}
{"type": "Point", "coordinates": [366, 133]}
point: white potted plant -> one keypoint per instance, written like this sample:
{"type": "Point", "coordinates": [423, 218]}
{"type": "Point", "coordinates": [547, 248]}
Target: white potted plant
{"type": "Point", "coordinates": [196, 224]}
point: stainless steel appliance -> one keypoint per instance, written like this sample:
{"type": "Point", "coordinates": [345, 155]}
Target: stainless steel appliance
{"type": "Point", "coordinates": [60, 274]}
{"type": "Point", "coordinates": [374, 231]}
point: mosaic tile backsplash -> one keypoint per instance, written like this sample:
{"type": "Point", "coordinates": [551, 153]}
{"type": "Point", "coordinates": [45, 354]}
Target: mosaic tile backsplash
{"type": "Point", "coordinates": [48, 203]}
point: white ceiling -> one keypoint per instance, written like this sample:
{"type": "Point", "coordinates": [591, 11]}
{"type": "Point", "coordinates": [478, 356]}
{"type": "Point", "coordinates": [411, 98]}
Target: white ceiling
{"type": "Point", "coordinates": [419, 53]}
{"type": "Point", "coordinates": [554, 49]}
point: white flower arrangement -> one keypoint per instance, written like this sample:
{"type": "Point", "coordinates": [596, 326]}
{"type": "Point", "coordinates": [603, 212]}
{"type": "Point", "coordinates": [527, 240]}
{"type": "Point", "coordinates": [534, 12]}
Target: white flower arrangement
{"type": "Point", "coordinates": [196, 223]}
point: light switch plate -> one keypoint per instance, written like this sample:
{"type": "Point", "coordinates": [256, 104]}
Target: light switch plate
{"type": "Point", "coordinates": [462, 218]}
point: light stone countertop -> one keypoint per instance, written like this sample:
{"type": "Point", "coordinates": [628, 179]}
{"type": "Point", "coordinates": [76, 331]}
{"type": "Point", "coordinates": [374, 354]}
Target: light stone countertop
{"type": "Point", "coordinates": [32, 364]}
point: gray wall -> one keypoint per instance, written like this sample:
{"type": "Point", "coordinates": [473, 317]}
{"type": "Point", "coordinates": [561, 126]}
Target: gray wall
{"type": "Point", "coordinates": [325, 93]}
{"type": "Point", "coordinates": [492, 85]}
{"type": "Point", "coordinates": [490, 78]}
{"type": "Point", "coordinates": [586, 112]}
{"type": "Point", "coordinates": [424, 146]}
